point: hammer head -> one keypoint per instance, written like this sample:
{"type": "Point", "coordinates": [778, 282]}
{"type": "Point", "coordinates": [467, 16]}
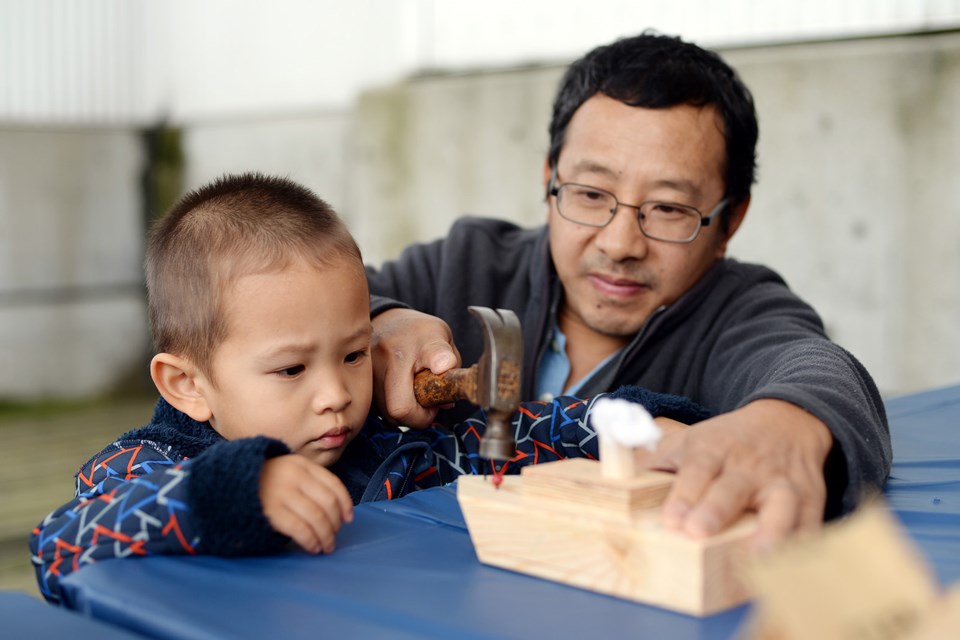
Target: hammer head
{"type": "Point", "coordinates": [498, 378]}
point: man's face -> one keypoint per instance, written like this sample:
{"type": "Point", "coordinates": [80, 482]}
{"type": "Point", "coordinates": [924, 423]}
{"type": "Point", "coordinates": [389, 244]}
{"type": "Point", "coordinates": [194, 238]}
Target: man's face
{"type": "Point", "coordinates": [614, 277]}
{"type": "Point", "coordinates": [296, 361]}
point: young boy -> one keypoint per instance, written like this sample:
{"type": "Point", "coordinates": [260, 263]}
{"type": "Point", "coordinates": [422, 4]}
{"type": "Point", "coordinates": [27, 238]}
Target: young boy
{"type": "Point", "coordinates": [259, 310]}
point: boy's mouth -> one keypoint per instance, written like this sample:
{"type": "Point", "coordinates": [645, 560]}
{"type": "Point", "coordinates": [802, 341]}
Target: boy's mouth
{"type": "Point", "coordinates": [333, 439]}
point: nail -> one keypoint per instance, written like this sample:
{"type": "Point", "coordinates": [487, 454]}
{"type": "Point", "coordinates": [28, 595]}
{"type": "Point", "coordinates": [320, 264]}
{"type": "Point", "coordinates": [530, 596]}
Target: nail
{"type": "Point", "coordinates": [674, 513]}
{"type": "Point", "coordinates": [702, 523]}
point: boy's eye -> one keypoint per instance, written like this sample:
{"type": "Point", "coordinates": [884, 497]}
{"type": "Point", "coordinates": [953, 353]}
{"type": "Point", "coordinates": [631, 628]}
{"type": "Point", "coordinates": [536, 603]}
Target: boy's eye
{"type": "Point", "coordinates": [355, 356]}
{"type": "Point", "coordinates": [290, 372]}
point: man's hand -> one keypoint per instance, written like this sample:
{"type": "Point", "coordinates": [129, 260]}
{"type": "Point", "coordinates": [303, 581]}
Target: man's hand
{"type": "Point", "coordinates": [305, 501]}
{"type": "Point", "coordinates": [767, 457]}
{"type": "Point", "coordinates": [404, 342]}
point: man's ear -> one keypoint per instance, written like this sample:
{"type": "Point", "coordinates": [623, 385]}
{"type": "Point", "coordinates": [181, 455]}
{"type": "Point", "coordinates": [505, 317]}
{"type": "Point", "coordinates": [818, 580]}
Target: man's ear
{"type": "Point", "coordinates": [547, 173]}
{"type": "Point", "coordinates": [181, 385]}
{"type": "Point", "coordinates": [737, 213]}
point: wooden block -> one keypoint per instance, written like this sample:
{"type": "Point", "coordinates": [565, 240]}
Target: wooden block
{"type": "Point", "coordinates": [616, 461]}
{"type": "Point", "coordinates": [859, 578]}
{"type": "Point", "coordinates": [623, 427]}
{"type": "Point", "coordinates": [580, 484]}
{"type": "Point", "coordinates": [593, 547]}
{"type": "Point", "coordinates": [943, 621]}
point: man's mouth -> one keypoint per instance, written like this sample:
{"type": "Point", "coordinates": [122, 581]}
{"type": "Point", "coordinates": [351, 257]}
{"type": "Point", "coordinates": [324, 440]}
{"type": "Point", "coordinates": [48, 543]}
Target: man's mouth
{"type": "Point", "coordinates": [616, 287]}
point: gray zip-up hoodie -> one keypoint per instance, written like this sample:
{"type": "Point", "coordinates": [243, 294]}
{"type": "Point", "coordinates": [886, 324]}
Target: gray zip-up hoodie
{"type": "Point", "coordinates": [738, 335]}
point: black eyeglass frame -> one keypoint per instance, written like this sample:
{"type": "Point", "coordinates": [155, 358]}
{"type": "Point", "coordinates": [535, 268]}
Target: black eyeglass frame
{"type": "Point", "coordinates": [553, 189]}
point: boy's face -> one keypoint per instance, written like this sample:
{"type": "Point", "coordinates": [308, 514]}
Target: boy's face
{"type": "Point", "coordinates": [295, 364]}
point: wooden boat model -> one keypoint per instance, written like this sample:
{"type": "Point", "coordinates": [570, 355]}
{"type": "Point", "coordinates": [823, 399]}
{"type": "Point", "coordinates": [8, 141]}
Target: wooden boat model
{"type": "Point", "coordinates": [570, 522]}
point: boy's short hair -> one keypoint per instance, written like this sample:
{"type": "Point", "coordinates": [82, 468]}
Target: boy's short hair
{"type": "Point", "coordinates": [234, 226]}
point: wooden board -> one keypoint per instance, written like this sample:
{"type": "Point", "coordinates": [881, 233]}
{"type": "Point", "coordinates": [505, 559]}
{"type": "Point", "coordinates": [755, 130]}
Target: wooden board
{"type": "Point", "coordinates": [943, 620]}
{"type": "Point", "coordinates": [861, 577]}
{"type": "Point", "coordinates": [568, 532]}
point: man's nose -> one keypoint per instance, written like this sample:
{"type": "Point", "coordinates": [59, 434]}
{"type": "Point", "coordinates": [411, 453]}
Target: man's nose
{"type": "Point", "coordinates": [622, 238]}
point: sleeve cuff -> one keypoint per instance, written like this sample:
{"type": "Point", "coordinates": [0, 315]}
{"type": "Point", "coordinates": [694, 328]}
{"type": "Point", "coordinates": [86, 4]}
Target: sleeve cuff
{"type": "Point", "coordinates": [224, 494]}
{"type": "Point", "coordinates": [663, 405]}
{"type": "Point", "coordinates": [379, 304]}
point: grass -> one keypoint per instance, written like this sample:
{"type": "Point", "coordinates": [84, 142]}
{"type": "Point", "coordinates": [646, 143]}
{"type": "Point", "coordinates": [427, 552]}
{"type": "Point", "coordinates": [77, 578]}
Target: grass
{"type": "Point", "coordinates": [43, 446]}
{"type": "Point", "coordinates": [11, 410]}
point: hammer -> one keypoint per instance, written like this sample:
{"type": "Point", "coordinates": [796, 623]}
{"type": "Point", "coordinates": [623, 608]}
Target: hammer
{"type": "Point", "coordinates": [492, 383]}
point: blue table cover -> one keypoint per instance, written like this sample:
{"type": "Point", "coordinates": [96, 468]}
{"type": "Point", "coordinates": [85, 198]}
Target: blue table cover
{"type": "Point", "coordinates": [407, 569]}
{"type": "Point", "coordinates": [24, 616]}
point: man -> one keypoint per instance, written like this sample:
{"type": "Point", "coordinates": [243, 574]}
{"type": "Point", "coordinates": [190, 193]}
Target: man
{"type": "Point", "coordinates": [648, 176]}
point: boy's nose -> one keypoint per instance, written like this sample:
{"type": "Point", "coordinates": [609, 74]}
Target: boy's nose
{"type": "Point", "coordinates": [331, 396]}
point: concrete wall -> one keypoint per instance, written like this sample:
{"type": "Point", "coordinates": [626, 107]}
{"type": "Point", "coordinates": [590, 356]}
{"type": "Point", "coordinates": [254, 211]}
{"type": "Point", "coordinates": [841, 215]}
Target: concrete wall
{"type": "Point", "coordinates": [71, 306]}
{"type": "Point", "coordinates": [435, 148]}
{"type": "Point", "coordinates": [858, 203]}
{"type": "Point", "coordinates": [308, 148]}
{"type": "Point", "coordinates": [72, 309]}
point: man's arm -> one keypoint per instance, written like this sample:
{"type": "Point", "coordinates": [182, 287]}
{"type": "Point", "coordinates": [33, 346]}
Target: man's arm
{"type": "Point", "coordinates": [803, 434]}
{"type": "Point", "coordinates": [406, 340]}
{"type": "Point", "coordinates": [481, 262]}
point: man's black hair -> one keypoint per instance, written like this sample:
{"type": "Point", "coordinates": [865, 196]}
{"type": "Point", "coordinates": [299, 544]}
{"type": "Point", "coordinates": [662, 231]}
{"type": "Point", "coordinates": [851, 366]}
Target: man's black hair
{"type": "Point", "coordinates": [655, 72]}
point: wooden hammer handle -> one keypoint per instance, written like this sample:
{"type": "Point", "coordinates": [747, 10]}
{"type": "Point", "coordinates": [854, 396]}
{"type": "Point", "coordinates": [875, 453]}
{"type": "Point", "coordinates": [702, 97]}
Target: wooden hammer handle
{"type": "Point", "coordinates": [432, 390]}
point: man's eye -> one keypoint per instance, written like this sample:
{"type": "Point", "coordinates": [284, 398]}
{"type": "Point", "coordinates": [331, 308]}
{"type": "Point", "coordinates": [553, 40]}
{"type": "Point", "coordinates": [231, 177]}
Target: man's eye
{"type": "Point", "coordinates": [589, 196]}
{"type": "Point", "coordinates": [667, 209]}
{"type": "Point", "coordinates": [290, 372]}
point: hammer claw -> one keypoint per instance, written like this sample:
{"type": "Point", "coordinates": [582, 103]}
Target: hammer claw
{"type": "Point", "coordinates": [493, 382]}
{"type": "Point", "coordinates": [498, 370]}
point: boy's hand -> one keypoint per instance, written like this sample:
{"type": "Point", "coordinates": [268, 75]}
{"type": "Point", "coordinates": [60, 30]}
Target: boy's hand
{"type": "Point", "coordinates": [305, 501]}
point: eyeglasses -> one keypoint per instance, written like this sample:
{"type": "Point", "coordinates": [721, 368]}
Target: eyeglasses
{"type": "Point", "coordinates": [666, 221]}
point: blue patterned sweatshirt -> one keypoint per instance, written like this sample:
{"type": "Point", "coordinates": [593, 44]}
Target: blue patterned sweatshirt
{"type": "Point", "coordinates": [177, 486]}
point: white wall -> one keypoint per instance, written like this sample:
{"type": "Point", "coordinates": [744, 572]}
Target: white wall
{"type": "Point", "coordinates": [139, 61]}
{"type": "Point", "coordinates": [123, 62]}
{"type": "Point", "coordinates": [460, 35]}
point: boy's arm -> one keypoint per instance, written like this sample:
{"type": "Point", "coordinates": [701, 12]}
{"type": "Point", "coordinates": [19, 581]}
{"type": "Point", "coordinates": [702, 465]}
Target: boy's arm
{"type": "Point", "coordinates": [139, 498]}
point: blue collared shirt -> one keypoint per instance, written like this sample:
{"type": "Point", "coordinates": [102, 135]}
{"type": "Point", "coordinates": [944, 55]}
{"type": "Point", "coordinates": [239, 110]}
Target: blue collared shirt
{"type": "Point", "coordinates": [555, 369]}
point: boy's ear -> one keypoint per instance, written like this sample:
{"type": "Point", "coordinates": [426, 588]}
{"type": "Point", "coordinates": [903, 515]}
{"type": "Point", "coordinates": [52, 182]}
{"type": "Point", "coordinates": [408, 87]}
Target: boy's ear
{"type": "Point", "coordinates": [181, 385]}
